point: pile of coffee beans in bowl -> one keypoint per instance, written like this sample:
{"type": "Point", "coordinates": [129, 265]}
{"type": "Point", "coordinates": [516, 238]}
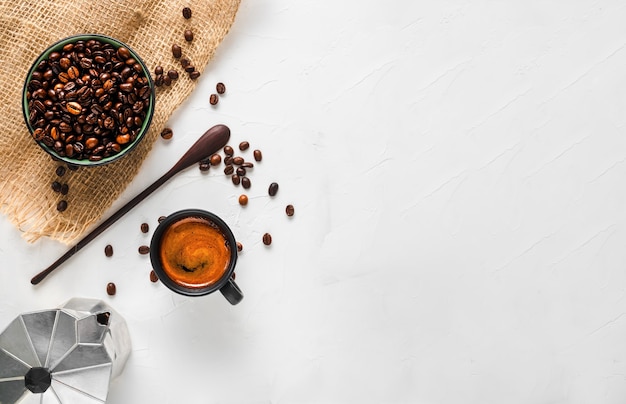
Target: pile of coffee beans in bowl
{"type": "Point", "coordinates": [88, 100]}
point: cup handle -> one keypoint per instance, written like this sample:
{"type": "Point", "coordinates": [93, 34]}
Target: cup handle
{"type": "Point", "coordinates": [231, 292]}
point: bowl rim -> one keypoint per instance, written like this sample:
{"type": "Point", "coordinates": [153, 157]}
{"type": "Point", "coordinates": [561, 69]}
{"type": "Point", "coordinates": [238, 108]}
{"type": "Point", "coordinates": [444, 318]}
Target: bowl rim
{"type": "Point", "coordinates": [116, 43]}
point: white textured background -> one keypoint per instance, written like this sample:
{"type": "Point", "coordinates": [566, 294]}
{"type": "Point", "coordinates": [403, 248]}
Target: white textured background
{"type": "Point", "coordinates": [458, 170]}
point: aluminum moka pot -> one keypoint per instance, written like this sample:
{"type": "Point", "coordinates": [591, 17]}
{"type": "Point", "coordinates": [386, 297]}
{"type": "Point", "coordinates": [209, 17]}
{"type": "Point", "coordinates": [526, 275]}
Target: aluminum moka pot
{"type": "Point", "coordinates": [64, 355]}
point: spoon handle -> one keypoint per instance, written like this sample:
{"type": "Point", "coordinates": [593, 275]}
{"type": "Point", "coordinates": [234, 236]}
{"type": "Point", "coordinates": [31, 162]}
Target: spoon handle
{"type": "Point", "coordinates": [210, 142]}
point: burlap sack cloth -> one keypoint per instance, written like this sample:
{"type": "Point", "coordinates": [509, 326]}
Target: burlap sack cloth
{"type": "Point", "coordinates": [150, 27]}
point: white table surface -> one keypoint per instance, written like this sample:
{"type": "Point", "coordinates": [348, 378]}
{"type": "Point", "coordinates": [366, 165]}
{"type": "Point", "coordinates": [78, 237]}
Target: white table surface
{"type": "Point", "coordinates": [458, 171]}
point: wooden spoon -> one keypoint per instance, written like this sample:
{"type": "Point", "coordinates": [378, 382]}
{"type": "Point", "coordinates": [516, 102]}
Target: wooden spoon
{"type": "Point", "coordinates": [209, 143]}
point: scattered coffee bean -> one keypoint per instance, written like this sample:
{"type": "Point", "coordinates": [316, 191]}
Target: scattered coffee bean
{"type": "Point", "coordinates": [216, 159]}
{"type": "Point", "coordinates": [247, 164]}
{"type": "Point", "coordinates": [228, 160]}
{"type": "Point", "coordinates": [144, 249]}
{"type": "Point", "coordinates": [177, 52]}
{"type": "Point", "coordinates": [153, 277]}
{"type": "Point", "coordinates": [72, 167]}
{"type": "Point", "coordinates": [213, 99]}
{"type": "Point", "coordinates": [158, 70]}
{"type": "Point", "coordinates": [184, 62]}
{"type": "Point", "coordinates": [187, 13]}
{"type": "Point", "coordinates": [167, 80]}
{"type": "Point", "coordinates": [241, 171]}
{"type": "Point", "coordinates": [228, 150]}
{"type": "Point", "coordinates": [108, 250]}
{"type": "Point", "coordinates": [145, 227]}
{"type": "Point", "coordinates": [238, 160]}
{"type": "Point", "coordinates": [188, 35]}
{"type": "Point", "coordinates": [220, 88]}
{"type": "Point", "coordinates": [239, 247]}
{"type": "Point", "coordinates": [245, 182]}
{"type": "Point", "coordinates": [258, 156]}
{"type": "Point", "coordinates": [56, 186]}
{"type": "Point", "coordinates": [111, 289]}
{"type": "Point", "coordinates": [173, 74]}
{"type": "Point", "coordinates": [60, 171]}
{"type": "Point", "coordinates": [161, 218]}
{"type": "Point", "coordinates": [244, 145]}
{"type": "Point", "coordinates": [158, 81]}
{"type": "Point", "coordinates": [267, 239]}
{"type": "Point", "coordinates": [62, 205]}
{"type": "Point", "coordinates": [167, 133]}
{"type": "Point", "coordinates": [204, 166]}
{"type": "Point", "coordinates": [289, 210]}
{"type": "Point", "coordinates": [243, 199]}
{"type": "Point", "coordinates": [236, 179]}
{"type": "Point", "coordinates": [233, 276]}
{"type": "Point", "coordinates": [228, 170]}
{"type": "Point", "coordinates": [190, 68]}
{"type": "Point", "coordinates": [273, 189]}
{"type": "Point", "coordinates": [65, 189]}
{"type": "Point", "coordinates": [194, 74]}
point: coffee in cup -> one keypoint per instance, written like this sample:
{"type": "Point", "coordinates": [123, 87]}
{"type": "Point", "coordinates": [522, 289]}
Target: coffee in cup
{"type": "Point", "coordinates": [193, 252]}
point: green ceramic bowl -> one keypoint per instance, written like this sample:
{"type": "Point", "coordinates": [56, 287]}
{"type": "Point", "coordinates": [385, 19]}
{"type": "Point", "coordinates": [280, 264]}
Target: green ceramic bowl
{"type": "Point", "coordinates": [109, 134]}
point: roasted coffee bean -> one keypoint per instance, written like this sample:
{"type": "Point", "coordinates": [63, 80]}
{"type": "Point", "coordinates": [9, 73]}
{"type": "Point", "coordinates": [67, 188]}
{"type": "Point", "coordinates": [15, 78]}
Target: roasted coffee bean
{"type": "Point", "coordinates": [194, 74]}
{"type": "Point", "coordinates": [123, 53]}
{"type": "Point", "coordinates": [267, 239]}
{"type": "Point", "coordinates": [236, 179]}
{"type": "Point", "coordinates": [167, 80]}
{"type": "Point", "coordinates": [188, 35]}
{"type": "Point", "coordinates": [239, 248]}
{"type": "Point", "coordinates": [145, 227]}
{"type": "Point", "coordinates": [190, 68]}
{"type": "Point", "coordinates": [247, 164]}
{"type": "Point", "coordinates": [167, 133]}
{"type": "Point", "coordinates": [153, 277]}
{"type": "Point", "coordinates": [56, 186]}
{"type": "Point", "coordinates": [238, 160]}
{"type": "Point", "coordinates": [289, 210]}
{"type": "Point", "coordinates": [204, 166]}
{"type": "Point", "coordinates": [158, 81]}
{"type": "Point", "coordinates": [184, 62]}
{"type": "Point", "coordinates": [244, 145]}
{"type": "Point", "coordinates": [108, 250]}
{"type": "Point", "coordinates": [173, 74]}
{"type": "Point", "coordinates": [158, 70]}
{"type": "Point", "coordinates": [60, 171]}
{"type": "Point", "coordinates": [228, 160]}
{"type": "Point", "coordinates": [220, 88]}
{"type": "Point", "coordinates": [161, 218]}
{"type": "Point", "coordinates": [228, 150]}
{"type": "Point", "coordinates": [74, 108]}
{"type": "Point", "coordinates": [245, 182]}
{"type": "Point", "coordinates": [240, 171]}
{"type": "Point", "coordinates": [243, 199]}
{"type": "Point", "coordinates": [273, 189]}
{"type": "Point", "coordinates": [213, 99]}
{"type": "Point", "coordinates": [216, 159]}
{"type": "Point", "coordinates": [111, 289]}
{"type": "Point", "coordinates": [228, 170]}
{"type": "Point", "coordinates": [176, 51]}
{"type": "Point", "coordinates": [65, 189]}
{"type": "Point", "coordinates": [144, 249]}
{"type": "Point", "coordinates": [62, 205]}
{"type": "Point", "coordinates": [187, 13]}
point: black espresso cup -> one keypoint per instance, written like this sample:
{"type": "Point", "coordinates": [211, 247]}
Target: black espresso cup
{"type": "Point", "coordinates": [194, 252]}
